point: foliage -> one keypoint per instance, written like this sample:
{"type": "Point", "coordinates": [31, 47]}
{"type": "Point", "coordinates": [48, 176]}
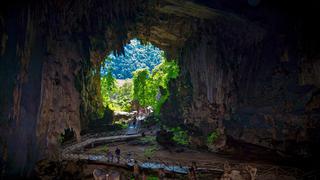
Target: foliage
{"type": "Point", "coordinates": [150, 121]}
{"type": "Point", "coordinates": [122, 125]}
{"type": "Point", "coordinates": [149, 89]}
{"type": "Point", "coordinates": [149, 178]}
{"type": "Point", "coordinates": [152, 178]}
{"type": "Point", "coordinates": [148, 140]}
{"type": "Point", "coordinates": [136, 56]}
{"type": "Point", "coordinates": [213, 137]}
{"type": "Point", "coordinates": [60, 139]}
{"type": "Point", "coordinates": [180, 136]}
{"type": "Point", "coordinates": [158, 84]}
{"type": "Point", "coordinates": [140, 88]}
{"type": "Point", "coordinates": [101, 149]}
{"type": "Point", "coordinates": [122, 97]}
{"type": "Point", "coordinates": [150, 151]}
{"type": "Point", "coordinates": [108, 85]}
{"type": "Point", "coordinates": [152, 90]}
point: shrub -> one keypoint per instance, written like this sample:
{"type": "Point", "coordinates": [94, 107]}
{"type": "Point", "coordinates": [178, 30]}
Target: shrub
{"type": "Point", "coordinates": [179, 136]}
{"type": "Point", "coordinates": [150, 151]}
{"type": "Point", "coordinates": [213, 137]}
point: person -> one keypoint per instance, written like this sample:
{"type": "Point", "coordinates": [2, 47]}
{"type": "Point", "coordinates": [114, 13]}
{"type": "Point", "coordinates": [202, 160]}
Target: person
{"type": "Point", "coordinates": [134, 122]}
{"type": "Point", "coordinates": [129, 157]}
{"type": "Point", "coordinates": [192, 171]}
{"type": "Point", "coordinates": [161, 174]}
{"type": "Point", "coordinates": [117, 152]}
{"type": "Point", "coordinates": [136, 170]}
{"type": "Point", "coordinates": [110, 156]}
{"type": "Point", "coordinates": [144, 176]}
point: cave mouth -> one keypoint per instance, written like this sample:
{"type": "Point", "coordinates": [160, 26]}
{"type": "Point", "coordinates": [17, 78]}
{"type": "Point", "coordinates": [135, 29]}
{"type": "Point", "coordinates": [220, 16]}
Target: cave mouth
{"type": "Point", "coordinates": [136, 81]}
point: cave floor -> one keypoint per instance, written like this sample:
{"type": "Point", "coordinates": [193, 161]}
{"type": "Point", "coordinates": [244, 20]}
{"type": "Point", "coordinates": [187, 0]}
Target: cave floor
{"type": "Point", "coordinates": [146, 149]}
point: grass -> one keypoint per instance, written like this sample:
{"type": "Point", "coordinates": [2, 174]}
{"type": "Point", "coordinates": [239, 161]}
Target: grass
{"type": "Point", "coordinates": [100, 149]}
{"type": "Point", "coordinates": [152, 178]}
{"type": "Point", "coordinates": [150, 151]}
{"type": "Point", "coordinates": [149, 178]}
{"type": "Point", "coordinates": [180, 136]}
{"type": "Point", "coordinates": [148, 140]}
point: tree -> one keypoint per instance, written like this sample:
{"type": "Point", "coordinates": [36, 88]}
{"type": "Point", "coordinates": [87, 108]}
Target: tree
{"type": "Point", "coordinates": [140, 77]}
{"type": "Point", "coordinates": [152, 90]}
{"type": "Point", "coordinates": [108, 87]}
{"type": "Point", "coordinates": [136, 56]}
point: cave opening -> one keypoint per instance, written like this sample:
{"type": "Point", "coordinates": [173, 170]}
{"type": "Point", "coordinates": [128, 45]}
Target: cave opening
{"type": "Point", "coordinates": [134, 83]}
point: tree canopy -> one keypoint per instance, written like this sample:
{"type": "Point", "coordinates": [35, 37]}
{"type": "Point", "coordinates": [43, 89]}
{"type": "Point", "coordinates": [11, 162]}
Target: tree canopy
{"type": "Point", "coordinates": [150, 73]}
{"type": "Point", "coordinates": [136, 56]}
{"type": "Point", "coordinates": [152, 89]}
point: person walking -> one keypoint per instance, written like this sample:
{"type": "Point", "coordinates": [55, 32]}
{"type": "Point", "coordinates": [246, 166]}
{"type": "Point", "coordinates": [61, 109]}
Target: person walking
{"type": "Point", "coordinates": [109, 156]}
{"type": "Point", "coordinates": [144, 176]}
{"type": "Point", "coordinates": [192, 171]}
{"type": "Point", "coordinates": [161, 174]}
{"type": "Point", "coordinates": [136, 170]}
{"type": "Point", "coordinates": [129, 158]}
{"type": "Point", "coordinates": [117, 152]}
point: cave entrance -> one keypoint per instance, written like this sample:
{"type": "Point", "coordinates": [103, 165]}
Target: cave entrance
{"type": "Point", "coordinates": [134, 84]}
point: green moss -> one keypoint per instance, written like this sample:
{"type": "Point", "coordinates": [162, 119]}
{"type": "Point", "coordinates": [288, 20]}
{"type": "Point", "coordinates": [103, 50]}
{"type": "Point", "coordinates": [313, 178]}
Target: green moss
{"type": "Point", "coordinates": [213, 137]}
{"type": "Point", "coordinates": [152, 178]}
{"type": "Point", "coordinates": [180, 136]}
{"type": "Point", "coordinates": [150, 151]}
{"type": "Point", "coordinates": [148, 140]}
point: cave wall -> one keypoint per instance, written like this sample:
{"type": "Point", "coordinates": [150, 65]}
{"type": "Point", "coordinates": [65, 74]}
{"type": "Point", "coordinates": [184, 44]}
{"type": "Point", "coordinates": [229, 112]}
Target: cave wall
{"type": "Point", "coordinates": [241, 74]}
{"type": "Point", "coordinates": [253, 78]}
{"type": "Point", "coordinates": [50, 81]}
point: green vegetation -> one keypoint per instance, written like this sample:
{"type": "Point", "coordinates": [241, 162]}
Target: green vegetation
{"type": "Point", "coordinates": [140, 89]}
{"type": "Point", "coordinates": [60, 139]}
{"type": "Point", "coordinates": [180, 136]}
{"type": "Point", "coordinates": [150, 151]}
{"type": "Point", "coordinates": [149, 178]}
{"type": "Point", "coordinates": [213, 137]}
{"type": "Point", "coordinates": [148, 140]}
{"type": "Point", "coordinates": [108, 85]}
{"type": "Point", "coordinates": [152, 90]}
{"type": "Point", "coordinates": [122, 125]}
{"type": "Point", "coordinates": [152, 178]}
{"type": "Point", "coordinates": [121, 98]}
{"type": "Point", "coordinates": [145, 88]}
{"type": "Point", "coordinates": [100, 149]}
{"type": "Point", "coordinates": [136, 56]}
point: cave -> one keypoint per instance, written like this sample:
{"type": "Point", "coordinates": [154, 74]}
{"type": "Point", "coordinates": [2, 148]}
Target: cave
{"type": "Point", "coordinates": [248, 83]}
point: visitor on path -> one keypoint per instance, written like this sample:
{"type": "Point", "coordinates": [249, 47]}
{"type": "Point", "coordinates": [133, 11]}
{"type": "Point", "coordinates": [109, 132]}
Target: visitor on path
{"type": "Point", "coordinates": [134, 123]}
{"type": "Point", "coordinates": [161, 174]}
{"type": "Point", "coordinates": [129, 158]}
{"type": "Point", "coordinates": [144, 176]}
{"type": "Point", "coordinates": [136, 172]}
{"type": "Point", "coordinates": [117, 152]}
{"type": "Point", "coordinates": [192, 171]}
{"type": "Point", "coordinates": [109, 156]}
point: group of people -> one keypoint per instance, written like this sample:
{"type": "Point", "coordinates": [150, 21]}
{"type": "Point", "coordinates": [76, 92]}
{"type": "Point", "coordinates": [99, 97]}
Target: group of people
{"type": "Point", "coordinates": [142, 175]}
{"type": "Point", "coordinates": [117, 155]}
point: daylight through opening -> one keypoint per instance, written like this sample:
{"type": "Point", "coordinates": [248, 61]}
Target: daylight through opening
{"type": "Point", "coordinates": [136, 81]}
